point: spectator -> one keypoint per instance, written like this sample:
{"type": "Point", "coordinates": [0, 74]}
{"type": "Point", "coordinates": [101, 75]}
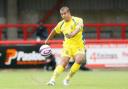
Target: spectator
{"type": "Point", "coordinates": [42, 32]}
{"type": "Point", "coordinates": [51, 63]}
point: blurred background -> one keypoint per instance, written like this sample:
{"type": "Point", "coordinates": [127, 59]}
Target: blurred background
{"type": "Point", "coordinates": [47, 11]}
{"type": "Point", "coordinates": [25, 24]}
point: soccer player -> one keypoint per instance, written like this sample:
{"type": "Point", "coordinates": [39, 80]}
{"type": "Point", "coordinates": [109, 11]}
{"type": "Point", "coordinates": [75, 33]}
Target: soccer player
{"type": "Point", "coordinates": [73, 45]}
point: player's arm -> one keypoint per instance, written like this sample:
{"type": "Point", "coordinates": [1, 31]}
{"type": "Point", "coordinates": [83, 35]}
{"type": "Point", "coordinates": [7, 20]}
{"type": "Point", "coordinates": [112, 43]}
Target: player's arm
{"type": "Point", "coordinates": [77, 30]}
{"type": "Point", "coordinates": [51, 36]}
{"type": "Point", "coordinates": [55, 31]}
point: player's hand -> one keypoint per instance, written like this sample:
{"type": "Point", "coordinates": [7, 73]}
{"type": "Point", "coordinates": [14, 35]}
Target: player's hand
{"type": "Point", "coordinates": [46, 42]}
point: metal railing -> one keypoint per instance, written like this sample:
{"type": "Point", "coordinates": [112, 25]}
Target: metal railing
{"type": "Point", "coordinates": [98, 28]}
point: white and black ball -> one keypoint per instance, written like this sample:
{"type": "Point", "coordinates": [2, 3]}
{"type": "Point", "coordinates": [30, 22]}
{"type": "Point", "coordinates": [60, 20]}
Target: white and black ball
{"type": "Point", "coordinates": [45, 50]}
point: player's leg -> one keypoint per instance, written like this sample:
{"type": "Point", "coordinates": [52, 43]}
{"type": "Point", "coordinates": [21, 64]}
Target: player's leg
{"type": "Point", "coordinates": [75, 67]}
{"type": "Point", "coordinates": [58, 70]}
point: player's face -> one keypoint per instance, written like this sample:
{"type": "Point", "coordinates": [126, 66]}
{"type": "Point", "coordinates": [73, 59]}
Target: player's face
{"type": "Point", "coordinates": [65, 15]}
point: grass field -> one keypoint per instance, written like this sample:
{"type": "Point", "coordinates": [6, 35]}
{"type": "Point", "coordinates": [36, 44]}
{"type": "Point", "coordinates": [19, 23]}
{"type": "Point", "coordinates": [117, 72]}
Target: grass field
{"type": "Point", "coordinates": [37, 79]}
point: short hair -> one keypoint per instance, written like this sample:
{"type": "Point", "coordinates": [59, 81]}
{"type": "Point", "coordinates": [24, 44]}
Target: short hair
{"type": "Point", "coordinates": [64, 8]}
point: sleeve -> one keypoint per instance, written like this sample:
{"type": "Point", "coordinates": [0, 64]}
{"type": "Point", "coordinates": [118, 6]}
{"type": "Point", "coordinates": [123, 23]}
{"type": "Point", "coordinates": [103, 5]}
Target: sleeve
{"type": "Point", "coordinates": [80, 23]}
{"type": "Point", "coordinates": [57, 28]}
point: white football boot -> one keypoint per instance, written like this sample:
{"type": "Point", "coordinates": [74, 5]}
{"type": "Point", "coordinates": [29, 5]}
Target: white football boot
{"type": "Point", "coordinates": [51, 82]}
{"type": "Point", "coordinates": [66, 82]}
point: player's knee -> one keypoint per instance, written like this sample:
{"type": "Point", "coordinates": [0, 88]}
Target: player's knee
{"type": "Point", "coordinates": [64, 62]}
{"type": "Point", "coordinates": [79, 58]}
{"type": "Point", "coordinates": [78, 61]}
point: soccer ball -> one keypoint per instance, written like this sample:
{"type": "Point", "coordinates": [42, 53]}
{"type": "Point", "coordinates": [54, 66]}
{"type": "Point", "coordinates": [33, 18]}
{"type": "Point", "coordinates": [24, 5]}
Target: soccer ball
{"type": "Point", "coordinates": [45, 50]}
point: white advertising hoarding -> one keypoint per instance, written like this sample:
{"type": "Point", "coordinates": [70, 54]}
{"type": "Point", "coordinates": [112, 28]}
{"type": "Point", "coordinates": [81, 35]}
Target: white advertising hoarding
{"type": "Point", "coordinates": [108, 55]}
{"type": "Point", "coordinates": [104, 55]}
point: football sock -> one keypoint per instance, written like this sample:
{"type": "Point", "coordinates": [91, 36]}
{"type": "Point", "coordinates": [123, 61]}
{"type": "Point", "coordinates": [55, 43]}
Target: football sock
{"type": "Point", "coordinates": [75, 67]}
{"type": "Point", "coordinates": [59, 69]}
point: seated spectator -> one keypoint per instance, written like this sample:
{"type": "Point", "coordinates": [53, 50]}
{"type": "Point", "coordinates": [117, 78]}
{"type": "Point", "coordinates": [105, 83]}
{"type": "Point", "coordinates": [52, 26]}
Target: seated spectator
{"type": "Point", "coordinates": [41, 32]}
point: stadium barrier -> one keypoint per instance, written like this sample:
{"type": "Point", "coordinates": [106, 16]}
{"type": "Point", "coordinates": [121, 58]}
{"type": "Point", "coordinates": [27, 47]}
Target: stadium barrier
{"type": "Point", "coordinates": [26, 27]}
{"type": "Point", "coordinates": [100, 53]}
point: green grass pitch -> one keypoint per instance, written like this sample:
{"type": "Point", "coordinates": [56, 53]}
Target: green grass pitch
{"type": "Point", "coordinates": [37, 79]}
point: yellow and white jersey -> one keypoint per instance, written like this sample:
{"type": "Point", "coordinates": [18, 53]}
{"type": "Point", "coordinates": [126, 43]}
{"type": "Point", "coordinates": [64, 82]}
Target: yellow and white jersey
{"type": "Point", "coordinates": [68, 27]}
